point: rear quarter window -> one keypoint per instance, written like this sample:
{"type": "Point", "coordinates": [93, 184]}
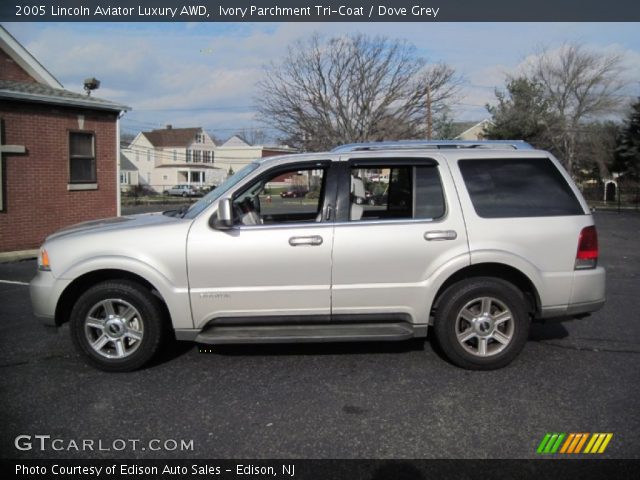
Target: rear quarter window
{"type": "Point", "coordinates": [523, 187]}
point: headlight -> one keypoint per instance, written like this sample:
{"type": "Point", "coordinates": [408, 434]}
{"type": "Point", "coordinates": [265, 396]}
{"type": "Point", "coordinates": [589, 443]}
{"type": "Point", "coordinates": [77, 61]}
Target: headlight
{"type": "Point", "coordinates": [43, 261]}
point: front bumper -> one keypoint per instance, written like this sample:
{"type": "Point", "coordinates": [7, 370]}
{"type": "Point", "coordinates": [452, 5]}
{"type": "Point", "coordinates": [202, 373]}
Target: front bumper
{"type": "Point", "coordinates": [45, 291]}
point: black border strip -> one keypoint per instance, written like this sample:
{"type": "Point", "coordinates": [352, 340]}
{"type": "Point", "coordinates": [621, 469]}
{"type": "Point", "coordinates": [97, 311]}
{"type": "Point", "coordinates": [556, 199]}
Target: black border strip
{"type": "Point", "coordinates": [326, 469]}
{"type": "Point", "coordinates": [320, 11]}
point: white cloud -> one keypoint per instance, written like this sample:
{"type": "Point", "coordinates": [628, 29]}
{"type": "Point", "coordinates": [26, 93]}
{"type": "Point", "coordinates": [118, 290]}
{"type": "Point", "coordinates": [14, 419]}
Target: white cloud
{"type": "Point", "coordinates": [162, 69]}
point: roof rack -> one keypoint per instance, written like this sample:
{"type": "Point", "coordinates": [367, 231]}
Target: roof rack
{"type": "Point", "coordinates": [434, 145]}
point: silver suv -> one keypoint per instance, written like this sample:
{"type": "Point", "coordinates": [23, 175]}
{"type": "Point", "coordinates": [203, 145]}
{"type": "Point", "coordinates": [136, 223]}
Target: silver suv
{"type": "Point", "coordinates": [473, 239]}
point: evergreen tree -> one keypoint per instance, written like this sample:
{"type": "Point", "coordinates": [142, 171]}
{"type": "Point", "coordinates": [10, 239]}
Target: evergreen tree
{"type": "Point", "coordinates": [628, 149]}
{"type": "Point", "coordinates": [522, 113]}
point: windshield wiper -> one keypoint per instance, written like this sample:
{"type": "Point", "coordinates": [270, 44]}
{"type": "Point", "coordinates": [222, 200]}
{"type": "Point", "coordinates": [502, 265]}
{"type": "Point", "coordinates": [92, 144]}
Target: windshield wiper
{"type": "Point", "coordinates": [177, 212]}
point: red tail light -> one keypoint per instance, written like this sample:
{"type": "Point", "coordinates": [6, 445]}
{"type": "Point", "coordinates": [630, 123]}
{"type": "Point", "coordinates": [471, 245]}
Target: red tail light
{"type": "Point", "coordinates": [587, 256]}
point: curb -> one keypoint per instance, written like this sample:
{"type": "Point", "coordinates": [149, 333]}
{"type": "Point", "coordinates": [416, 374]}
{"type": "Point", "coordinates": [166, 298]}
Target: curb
{"type": "Point", "coordinates": [6, 257]}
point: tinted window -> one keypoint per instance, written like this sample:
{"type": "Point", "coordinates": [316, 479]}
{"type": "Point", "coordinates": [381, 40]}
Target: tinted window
{"type": "Point", "coordinates": [429, 196]}
{"type": "Point", "coordinates": [526, 187]}
{"type": "Point", "coordinates": [396, 192]}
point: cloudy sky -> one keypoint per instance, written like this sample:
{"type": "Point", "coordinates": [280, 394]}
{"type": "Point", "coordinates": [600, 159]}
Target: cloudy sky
{"type": "Point", "coordinates": [204, 74]}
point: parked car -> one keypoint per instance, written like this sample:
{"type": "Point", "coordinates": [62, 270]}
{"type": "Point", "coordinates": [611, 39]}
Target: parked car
{"type": "Point", "coordinates": [182, 190]}
{"type": "Point", "coordinates": [472, 243]}
{"type": "Point", "coordinates": [294, 194]}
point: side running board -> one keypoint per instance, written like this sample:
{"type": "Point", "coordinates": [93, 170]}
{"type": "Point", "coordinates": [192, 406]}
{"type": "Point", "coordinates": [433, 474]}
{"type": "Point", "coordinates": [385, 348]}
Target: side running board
{"type": "Point", "coordinates": [360, 332]}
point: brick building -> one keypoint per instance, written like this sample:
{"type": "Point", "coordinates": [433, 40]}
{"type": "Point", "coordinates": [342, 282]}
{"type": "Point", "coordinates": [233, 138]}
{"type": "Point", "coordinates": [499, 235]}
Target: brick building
{"type": "Point", "coordinates": [58, 152]}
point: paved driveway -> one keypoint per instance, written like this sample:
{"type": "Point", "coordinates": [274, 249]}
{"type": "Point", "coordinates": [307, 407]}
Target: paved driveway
{"type": "Point", "coordinates": [397, 400]}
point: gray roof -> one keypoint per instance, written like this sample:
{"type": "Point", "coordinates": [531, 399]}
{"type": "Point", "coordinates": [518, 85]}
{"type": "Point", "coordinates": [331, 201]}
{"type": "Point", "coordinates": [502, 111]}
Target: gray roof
{"type": "Point", "coordinates": [172, 137]}
{"type": "Point", "coordinates": [37, 92]}
{"type": "Point", "coordinates": [125, 164]}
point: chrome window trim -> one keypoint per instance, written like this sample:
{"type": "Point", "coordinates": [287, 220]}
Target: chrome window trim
{"type": "Point", "coordinates": [403, 221]}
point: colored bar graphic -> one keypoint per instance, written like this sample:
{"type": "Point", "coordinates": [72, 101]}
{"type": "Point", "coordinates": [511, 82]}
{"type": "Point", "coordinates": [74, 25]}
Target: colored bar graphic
{"type": "Point", "coordinates": [581, 442]}
{"type": "Point", "coordinates": [605, 443]}
{"type": "Point", "coordinates": [598, 443]}
{"type": "Point", "coordinates": [558, 442]}
{"type": "Point", "coordinates": [568, 442]}
{"type": "Point", "coordinates": [551, 443]}
{"type": "Point", "coordinates": [573, 443]}
{"type": "Point", "coordinates": [592, 442]}
{"type": "Point", "coordinates": [543, 443]}
{"type": "Point", "coordinates": [577, 439]}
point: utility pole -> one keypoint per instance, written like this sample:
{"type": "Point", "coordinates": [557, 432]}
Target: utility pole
{"type": "Point", "coordinates": [429, 114]}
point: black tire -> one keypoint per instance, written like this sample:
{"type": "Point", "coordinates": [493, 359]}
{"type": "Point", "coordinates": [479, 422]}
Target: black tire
{"type": "Point", "coordinates": [148, 321]}
{"type": "Point", "coordinates": [488, 334]}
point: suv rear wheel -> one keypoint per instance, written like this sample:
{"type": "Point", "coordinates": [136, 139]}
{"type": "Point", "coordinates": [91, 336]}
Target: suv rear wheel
{"type": "Point", "coordinates": [117, 325]}
{"type": "Point", "coordinates": [482, 323]}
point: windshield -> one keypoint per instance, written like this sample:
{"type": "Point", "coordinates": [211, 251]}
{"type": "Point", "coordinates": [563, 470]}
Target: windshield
{"type": "Point", "coordinates": [216, 193]}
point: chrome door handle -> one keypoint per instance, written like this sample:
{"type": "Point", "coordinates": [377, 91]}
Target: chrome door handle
{"type": "Point", "coordinates": [313, 241]}
{"type": "Point", "coordinates": [440, 235]}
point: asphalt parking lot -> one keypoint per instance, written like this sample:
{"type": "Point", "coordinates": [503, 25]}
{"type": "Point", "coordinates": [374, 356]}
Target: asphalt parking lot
{"type": "Point", "coordinates": [394, 400]}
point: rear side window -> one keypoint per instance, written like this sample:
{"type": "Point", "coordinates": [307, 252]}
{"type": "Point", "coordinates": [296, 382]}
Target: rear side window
{"type": "Point", "coordinates": [429, 195]}
{"type": "Point", "coordinates": [524, 187]}
{"type": "Point", "coordinates": [394, 192]}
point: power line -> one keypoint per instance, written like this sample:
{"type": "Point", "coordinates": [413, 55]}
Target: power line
{"type": "Point", "coordinates": [180, 156]}
{"type": "Point", "coordinates": [198, 109]}
{"type": "Point", "coordinates": [138, 124]}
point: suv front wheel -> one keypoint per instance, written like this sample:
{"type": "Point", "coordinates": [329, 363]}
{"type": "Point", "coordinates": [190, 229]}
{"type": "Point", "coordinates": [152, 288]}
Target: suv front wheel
{"type": "Point", "coordinates": [117, 325]}
{"type": "Point", "coordinates": [482, 323]}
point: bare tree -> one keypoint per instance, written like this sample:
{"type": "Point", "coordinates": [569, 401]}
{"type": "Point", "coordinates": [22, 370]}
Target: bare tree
{"type": "Point", "coordinates": [442, 86]}
{"type": "Point", "coordinates": [597, 147]}
{"type": "Point", "coordinates": [214, 138]}
{"type": "Point", "coordinates": [126, 137]}
{"type": "Point", "coordinates": [347, 89]}
{"type": "Point", "coordinates": [253, 136]}
{"type": "Point", "coordinates": [580, 85]}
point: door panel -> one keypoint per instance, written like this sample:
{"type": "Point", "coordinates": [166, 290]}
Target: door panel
{"type": "Point", "coordinates": [389, 267]}
{"type": "Point", "coordinates": [260, 271]}
{"type": "Point", "coordinates": [270, 263]}
{"type": "Point", "coordinates": [386, 262]}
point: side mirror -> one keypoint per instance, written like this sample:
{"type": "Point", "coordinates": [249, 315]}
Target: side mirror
{"type": "Point", "coordinates": [223, 219]}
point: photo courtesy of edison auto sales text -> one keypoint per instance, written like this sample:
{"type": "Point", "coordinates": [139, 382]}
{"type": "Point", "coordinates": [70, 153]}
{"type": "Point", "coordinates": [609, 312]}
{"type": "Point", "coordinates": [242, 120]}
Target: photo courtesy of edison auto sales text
{"type": "Point", "coordinates": [288, 470]}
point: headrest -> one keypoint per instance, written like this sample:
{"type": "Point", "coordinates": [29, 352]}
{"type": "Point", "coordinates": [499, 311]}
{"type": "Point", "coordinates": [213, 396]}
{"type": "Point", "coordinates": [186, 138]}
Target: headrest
{"type": "Point", "coordinates": [357, 187]}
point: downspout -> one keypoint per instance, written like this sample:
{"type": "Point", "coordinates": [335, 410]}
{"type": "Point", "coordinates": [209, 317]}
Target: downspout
{"type": "Point", "coordinates": [118, 193]}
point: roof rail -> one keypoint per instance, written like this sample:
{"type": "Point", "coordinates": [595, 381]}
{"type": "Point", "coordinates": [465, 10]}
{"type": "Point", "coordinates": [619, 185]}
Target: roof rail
{"type": "Point", "coordinates": [434, 145]}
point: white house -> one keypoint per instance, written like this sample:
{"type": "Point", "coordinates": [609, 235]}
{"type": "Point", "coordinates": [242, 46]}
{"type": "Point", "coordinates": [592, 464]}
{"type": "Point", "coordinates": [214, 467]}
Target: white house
{"type": "Point", "coordinates": [171, 156]}
{"type": "Point", "coordinates": [235, 153]}
{"type": "Point", "coordinates": [474, 131]}
{"type": "Point", "coordinates": [128, 173]}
